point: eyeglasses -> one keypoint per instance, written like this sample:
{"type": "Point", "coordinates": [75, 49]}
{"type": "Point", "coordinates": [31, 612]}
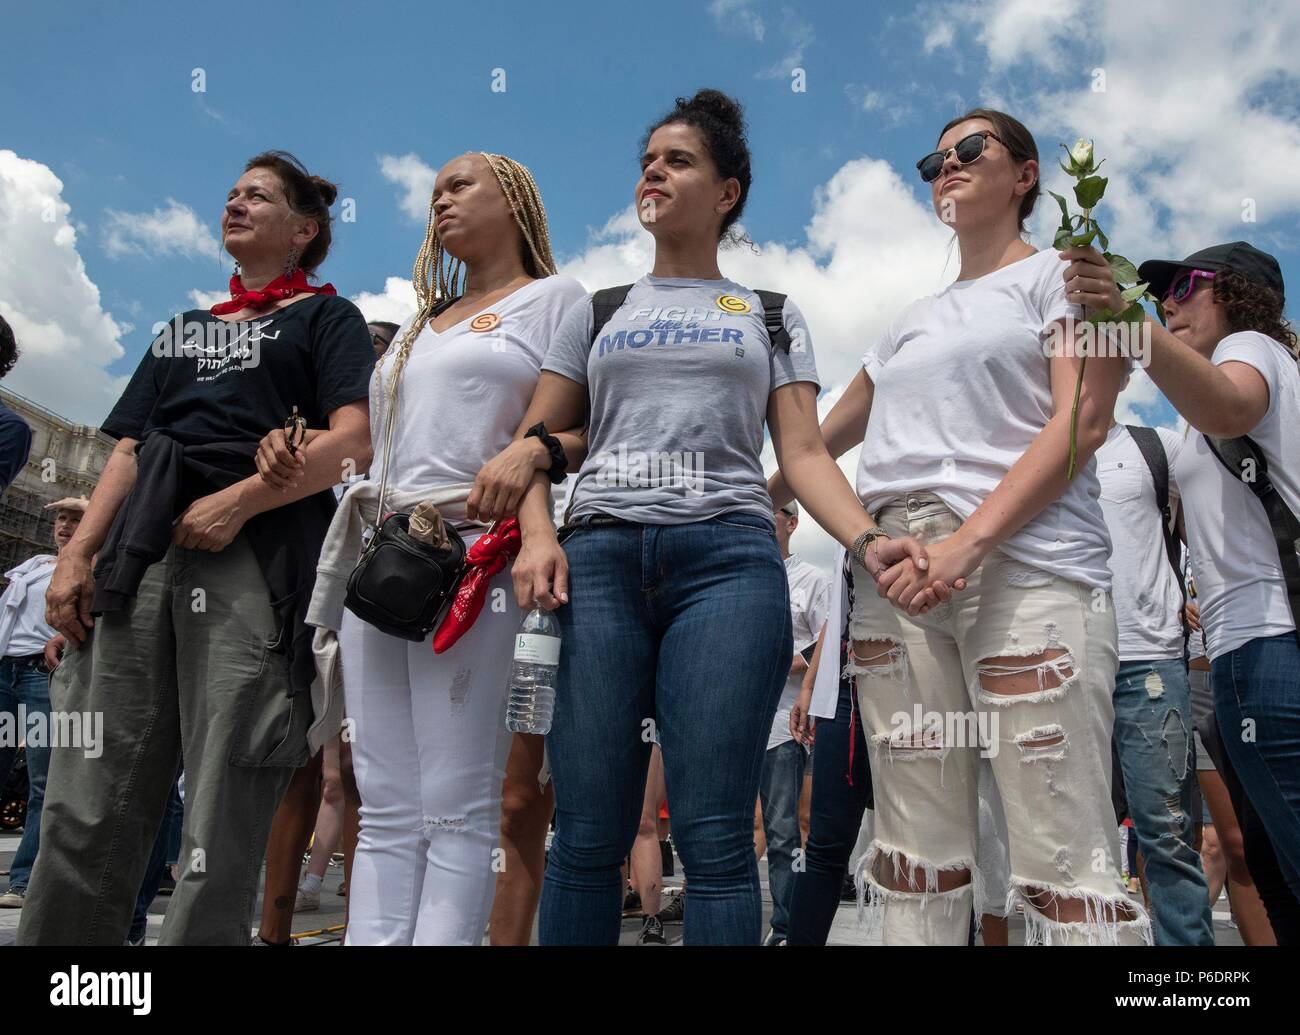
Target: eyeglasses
{"type": "Point", "coordinates": [1185, 284]}
{"type": "Point", "coordinates": [295, 431]}
{"type": "Point", "coordinates": [967, 149]}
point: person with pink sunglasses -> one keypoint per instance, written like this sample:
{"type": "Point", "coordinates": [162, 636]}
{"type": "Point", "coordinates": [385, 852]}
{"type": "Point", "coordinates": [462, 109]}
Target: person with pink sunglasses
{"type": "Point", "coordinates": [1226, 360]}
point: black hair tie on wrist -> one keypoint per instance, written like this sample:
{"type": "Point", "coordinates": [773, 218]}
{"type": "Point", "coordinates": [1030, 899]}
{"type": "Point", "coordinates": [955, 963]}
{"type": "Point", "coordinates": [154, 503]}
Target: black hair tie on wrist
{"type": "Point", "coordinates": [559, 462]}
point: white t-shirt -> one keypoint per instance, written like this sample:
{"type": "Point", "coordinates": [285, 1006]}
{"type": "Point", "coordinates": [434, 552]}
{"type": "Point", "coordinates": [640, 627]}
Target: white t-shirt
{"type": "Point", "coordinates": [962, 388]}
{"type": "Point", "coordinates": [809, 600]}
{"type": "Point", "coordinates": [23, 630]}
{"type": "Point", "coordinates": [464, 391]}
{"type": "Point", "coordinates": [1238, 574]}
{"type": "Point", "coordinates": [1145, 589]}
{"type": "Point", "coordinates": [826, 687]}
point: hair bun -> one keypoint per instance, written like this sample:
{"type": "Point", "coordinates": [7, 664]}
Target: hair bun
{"type": "Point", "coordinates": [328, 191]}
{"type": "Point", "coordinates": [717, 104]}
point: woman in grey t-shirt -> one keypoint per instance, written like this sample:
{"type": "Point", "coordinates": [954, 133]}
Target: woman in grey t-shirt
{"type": "Point", "coordinates": [678, 623]}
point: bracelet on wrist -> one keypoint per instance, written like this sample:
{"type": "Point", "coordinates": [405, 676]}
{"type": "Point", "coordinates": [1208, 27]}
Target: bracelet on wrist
{"type": "Point", "coordinates": [559, 461]}
{"type": "Point", "coordinates": [863, 542]}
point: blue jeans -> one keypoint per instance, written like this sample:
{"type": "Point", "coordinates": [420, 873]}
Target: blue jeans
{"type": "Point", "coordinates": [1153, 724]}
{"type": "Point", "coordinates": [165, 847]}
{"type": "Point", "coordinates": [688, 626]}
{"type": "Point", "coordinates": [25, 681]}
{"type": "Point", "coordinates": [778, 790]}
{"type": "Point", "coordinates": [841, 793]}
{"type": "Point", "coordinates": [1257, 702]}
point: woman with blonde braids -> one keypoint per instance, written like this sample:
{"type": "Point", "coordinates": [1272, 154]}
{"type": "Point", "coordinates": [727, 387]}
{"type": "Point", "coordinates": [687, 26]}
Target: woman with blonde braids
{"type": "Point", "coordinates": [428, 734]}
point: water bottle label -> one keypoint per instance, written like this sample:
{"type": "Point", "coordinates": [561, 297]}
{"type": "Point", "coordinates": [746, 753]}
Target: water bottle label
{"type": "Point", "coordinates": [537, 650]}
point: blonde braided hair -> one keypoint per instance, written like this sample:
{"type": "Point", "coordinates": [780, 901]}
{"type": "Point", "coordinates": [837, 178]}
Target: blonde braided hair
{"type": "Point", "coordinates": [437, 276]}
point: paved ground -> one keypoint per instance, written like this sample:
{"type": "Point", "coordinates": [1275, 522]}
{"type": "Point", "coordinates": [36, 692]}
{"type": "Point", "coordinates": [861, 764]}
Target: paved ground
{"type": "Point", "coordinates": [313, 926]}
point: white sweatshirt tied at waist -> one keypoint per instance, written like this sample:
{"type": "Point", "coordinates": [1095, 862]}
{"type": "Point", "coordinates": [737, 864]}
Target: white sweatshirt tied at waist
{"type": "Point", "coordinates": [338, 557]}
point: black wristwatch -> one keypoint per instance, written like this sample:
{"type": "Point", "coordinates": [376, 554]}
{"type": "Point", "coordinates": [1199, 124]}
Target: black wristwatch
{"type": "Point", "coordinates": [559, 462]}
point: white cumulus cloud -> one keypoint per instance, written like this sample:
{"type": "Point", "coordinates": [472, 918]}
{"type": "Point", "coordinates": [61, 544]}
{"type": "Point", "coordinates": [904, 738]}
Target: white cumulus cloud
{"type": "Point", "coordinates": [174, 229]}
{"type": "Point", "coordinates": [67, 339]}
{"type": "Point", "coordinates": [415, 178]}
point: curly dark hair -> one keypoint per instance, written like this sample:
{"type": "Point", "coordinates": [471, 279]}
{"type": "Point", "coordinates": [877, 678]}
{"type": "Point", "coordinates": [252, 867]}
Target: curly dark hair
{"type": "Point", "coordinates": [721, 121]}
{"type": "Point", "coordinates": [8, 347]}
{"type": "Point", "coordinates": [1253, 307]}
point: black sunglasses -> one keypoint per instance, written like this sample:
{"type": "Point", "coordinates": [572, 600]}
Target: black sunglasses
{"type": "Point", "coordinates": [967, 149]}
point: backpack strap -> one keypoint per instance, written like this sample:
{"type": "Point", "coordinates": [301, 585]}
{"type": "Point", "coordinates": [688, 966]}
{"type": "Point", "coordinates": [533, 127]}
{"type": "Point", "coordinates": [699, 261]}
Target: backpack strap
{"type": "Point", "coordinates": [1245, 461]}
{"type": "Point", "coordinates": [774, 318]}
{"type": "Point", "coordinates": [604, 304]}
{"type": "Point", "coordinates": [1153, 452]}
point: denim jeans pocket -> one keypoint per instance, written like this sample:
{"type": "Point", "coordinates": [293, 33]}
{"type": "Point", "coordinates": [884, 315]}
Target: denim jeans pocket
{"type": "Point", "coordinates": [747, 522]}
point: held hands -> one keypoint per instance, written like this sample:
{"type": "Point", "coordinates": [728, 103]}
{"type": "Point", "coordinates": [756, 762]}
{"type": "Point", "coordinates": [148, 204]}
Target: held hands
{"type": "Point", "coordinates": [503, 480]}
{"type": "Point", "coordinates": [210, 522]}
{"type": "Point", "coordinates": [801, 727]}
{"type": "Point", "coordinates": [886, 554]}
{"type": "Point", "coordinates": [541, 573]}
{"type": "Point", "coordinates": [915, 590]}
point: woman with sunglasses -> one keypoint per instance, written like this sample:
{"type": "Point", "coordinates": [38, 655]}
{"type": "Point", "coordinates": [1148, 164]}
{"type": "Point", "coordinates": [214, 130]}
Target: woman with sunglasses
{"type": "Point", "coordinates": [678, 622]}
{"type": "Point", "coordinates": [199, 592]}
{"type": "Point", "coordinates": [963, 410]}
{"type": "Point", "coordinates": [1226, 360]}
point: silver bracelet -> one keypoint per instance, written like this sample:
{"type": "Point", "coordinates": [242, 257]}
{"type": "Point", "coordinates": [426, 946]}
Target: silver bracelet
{"type": "Point", "coordinates": [860, 544]}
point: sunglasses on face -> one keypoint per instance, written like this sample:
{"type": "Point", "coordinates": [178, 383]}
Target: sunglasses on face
{"type": "Point", "coordinates": [967, 149]}
{"type": "Point", "coordinates": [1185, 284]}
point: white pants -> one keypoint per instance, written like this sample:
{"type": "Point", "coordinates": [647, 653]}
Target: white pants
{"type": "Point", "coordinates": [932, 700]}
{"type": "Point", "coordinates": [429, 747]}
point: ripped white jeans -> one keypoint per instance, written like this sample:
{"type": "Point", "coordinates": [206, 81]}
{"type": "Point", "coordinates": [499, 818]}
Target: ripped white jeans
{"type": "Point", "coordinates": [429, 751]}
{"type": "Point", "coordinates": [1020, 666]}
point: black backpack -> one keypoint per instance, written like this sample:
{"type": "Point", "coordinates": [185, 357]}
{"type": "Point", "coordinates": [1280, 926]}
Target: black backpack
{"type": "Point", "coordinates": [1153, 452]}
{"type": "Point", "coordinates": [607, 301]}
{"type": "Point", "coordinates": [1245, 461]}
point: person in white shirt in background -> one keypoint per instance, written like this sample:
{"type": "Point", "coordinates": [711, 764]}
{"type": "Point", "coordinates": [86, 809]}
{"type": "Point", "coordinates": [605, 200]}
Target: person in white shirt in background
{"type": "Point", "coordinates": [781, 785]}
{"type": "Point", "coordinates": [1227, 362]}
{"type": "Point", "coordinates": [1153, 712]}
{"type": "Point", "coordinates": [25, 684]}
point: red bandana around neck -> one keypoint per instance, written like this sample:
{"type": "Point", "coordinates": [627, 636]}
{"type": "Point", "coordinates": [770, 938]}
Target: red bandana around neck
{"type": "Point", "coordinates": [280, 288]}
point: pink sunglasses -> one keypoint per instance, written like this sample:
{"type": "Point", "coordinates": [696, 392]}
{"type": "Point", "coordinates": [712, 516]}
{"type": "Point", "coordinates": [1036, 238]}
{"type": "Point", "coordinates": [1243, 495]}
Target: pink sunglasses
{"type": "Point", "coordinates": [1185, 285]}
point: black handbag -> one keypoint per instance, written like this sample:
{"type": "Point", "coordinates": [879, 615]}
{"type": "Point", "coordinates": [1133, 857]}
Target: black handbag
{"type": "Point", "coordinates": [403, 586]}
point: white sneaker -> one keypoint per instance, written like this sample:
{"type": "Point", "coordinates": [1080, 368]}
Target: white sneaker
{"type": "Point", "coordinates": [11, 900]}
{"type": "Point", "coordinates": [307, 901]}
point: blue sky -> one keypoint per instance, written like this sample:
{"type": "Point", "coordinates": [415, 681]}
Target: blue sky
{"type": "Point", "coordinates": [1197, 117]}
{"type": "Point", "coordinates": [116, 118]}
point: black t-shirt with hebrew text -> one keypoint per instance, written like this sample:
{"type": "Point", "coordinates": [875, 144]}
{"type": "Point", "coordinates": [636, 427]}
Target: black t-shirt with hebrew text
{"type": "Point", "coordinates": [209, 380]}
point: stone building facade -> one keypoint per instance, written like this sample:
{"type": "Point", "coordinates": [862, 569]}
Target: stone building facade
{"type": "Point", "coordinates": [66, 460]}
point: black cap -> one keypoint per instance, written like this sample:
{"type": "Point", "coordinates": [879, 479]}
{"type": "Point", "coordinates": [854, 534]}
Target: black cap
{"type": "Point", "coordinates": [1240, 257]}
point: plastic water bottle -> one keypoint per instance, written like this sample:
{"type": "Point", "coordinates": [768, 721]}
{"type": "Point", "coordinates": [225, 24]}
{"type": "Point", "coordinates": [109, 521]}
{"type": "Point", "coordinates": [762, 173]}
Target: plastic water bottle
{"type": "Point", "coordinates": [532, 678]}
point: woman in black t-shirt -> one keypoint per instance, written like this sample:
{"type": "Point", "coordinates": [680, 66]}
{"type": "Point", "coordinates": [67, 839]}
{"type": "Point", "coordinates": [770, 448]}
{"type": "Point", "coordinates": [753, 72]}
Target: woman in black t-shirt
{"type": "Point", "coordinates": [202, 574]}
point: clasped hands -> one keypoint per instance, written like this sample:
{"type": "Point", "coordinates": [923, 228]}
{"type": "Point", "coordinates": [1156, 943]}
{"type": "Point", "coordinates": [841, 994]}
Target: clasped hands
{"type": "Point", "coordinates": [915, 578]}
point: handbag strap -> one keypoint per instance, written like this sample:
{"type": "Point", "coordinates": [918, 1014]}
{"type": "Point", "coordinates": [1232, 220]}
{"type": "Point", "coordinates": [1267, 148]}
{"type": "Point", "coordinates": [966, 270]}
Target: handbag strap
{"type": "Point", "coordinates": [390, 409]}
